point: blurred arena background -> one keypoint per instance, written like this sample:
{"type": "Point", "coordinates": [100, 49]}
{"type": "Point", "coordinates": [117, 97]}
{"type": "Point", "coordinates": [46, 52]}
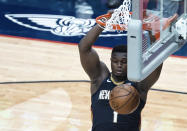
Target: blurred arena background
{"type": "Point", "coordinates": [42, 83]}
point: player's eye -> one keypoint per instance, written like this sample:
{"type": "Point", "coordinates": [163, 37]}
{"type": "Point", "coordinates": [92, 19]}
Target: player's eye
{"type": "Point", "coordinates": [114, 61]}
{"type": "Point", "coordinates": [124, 61]}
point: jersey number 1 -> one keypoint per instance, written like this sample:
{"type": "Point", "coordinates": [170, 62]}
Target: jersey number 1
{"type": "Point", "coordinates": [115, 118]}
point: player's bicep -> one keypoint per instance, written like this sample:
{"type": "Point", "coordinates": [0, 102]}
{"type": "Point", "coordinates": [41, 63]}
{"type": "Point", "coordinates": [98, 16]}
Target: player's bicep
{"type": "Point", "coordinates": [91, 63]}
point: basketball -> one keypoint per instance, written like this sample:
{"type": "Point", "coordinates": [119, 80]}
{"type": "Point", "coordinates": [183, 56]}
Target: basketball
{"type": "Point", "coordinates": [124, 99]}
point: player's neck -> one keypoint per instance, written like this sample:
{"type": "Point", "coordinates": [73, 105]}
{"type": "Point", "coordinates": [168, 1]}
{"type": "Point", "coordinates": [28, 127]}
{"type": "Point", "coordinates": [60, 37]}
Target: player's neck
{"type": "Point", "coordinates": [117, 80]}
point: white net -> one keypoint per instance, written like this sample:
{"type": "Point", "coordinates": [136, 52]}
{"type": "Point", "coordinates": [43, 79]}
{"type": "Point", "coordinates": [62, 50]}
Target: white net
{"type": "Point", "coordinates": [120, 17]}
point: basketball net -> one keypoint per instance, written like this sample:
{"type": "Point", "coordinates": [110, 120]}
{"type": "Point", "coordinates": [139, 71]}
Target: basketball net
{"type": "Point", "coordinates": [118, 20]}
{"type": "Point", "coordinates": [120, 17]}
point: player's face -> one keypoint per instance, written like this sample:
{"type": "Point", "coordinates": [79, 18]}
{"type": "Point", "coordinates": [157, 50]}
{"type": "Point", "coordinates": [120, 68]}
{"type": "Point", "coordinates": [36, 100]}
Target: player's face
{"type": "Point", "coordinates": [119, 64]}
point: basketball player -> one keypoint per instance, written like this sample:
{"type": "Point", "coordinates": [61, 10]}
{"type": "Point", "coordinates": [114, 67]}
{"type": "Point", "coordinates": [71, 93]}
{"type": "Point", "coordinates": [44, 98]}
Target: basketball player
{"type": "Point", "coordinates": [103, 81]}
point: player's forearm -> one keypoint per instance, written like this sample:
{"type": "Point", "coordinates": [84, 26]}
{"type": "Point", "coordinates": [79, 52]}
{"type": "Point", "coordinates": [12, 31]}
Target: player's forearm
{"type": "Point", "coordinates": [148, 82]}
{"type": "Point", "coordinates": [88, 40]}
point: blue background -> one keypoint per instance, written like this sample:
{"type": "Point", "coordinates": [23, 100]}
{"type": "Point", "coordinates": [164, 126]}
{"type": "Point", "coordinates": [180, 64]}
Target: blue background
{"type": "Point", "coordinates": [56, 7]}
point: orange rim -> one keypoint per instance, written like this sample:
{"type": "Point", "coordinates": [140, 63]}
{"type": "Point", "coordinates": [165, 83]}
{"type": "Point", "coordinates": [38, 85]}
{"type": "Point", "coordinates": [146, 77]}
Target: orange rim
{"type": "Point", "coordinates": [107, 16]}
{"type": "Point", "coordinates": [157, 34]}
{"type": "Point", "coordinates": [98, 19]}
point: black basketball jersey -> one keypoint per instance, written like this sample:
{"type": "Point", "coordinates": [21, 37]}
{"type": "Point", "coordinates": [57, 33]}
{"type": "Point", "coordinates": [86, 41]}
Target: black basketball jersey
{"type": "Point", "coordinates": [106, 119]}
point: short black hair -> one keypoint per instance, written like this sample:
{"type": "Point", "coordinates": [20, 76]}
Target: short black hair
{"type": "Point", "coordinates": [120, 48]}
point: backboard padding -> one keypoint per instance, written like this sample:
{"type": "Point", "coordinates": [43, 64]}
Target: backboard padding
{"type": "Point", "coordinates": [158, 18]}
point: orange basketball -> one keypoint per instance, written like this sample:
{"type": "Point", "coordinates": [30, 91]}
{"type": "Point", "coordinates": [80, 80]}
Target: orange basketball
{"type": "Point", "coordinates": [124, 99]}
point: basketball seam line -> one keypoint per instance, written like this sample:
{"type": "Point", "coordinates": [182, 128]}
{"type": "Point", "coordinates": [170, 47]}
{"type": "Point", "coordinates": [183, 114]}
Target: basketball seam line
{"type": "Point", "coordinates": [126, 101]}
{"type": "Point", "coordinates": [119, 96]}
{"type": "Point", "coordinates": [123, 95]}
{"type": "Point", "coordinates": [125, 89]}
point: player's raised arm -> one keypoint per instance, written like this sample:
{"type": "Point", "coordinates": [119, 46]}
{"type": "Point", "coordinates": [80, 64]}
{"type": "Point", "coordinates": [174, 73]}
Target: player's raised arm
{"type": "Point", "coordinates": [88, 56]}
{"type": "Point", "coordinates": [148, 82]}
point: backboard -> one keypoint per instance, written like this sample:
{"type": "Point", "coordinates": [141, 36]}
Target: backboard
{"type": "Point", "coordinates": [157, 30]}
